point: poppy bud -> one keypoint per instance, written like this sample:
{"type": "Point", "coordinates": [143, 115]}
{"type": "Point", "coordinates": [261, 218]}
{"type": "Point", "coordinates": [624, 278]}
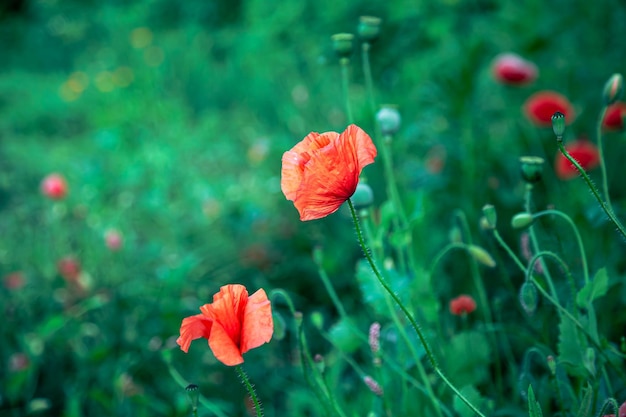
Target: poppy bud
{"type": "Point", "coordinates": [558, 125]}
{"type": "Point", "coordinates": [363, 196]}
{"type": "Point", "coordinates": [551, 364]}
{"type": "Point", "coordinates": [388, 119]}
{"type": "Point", "coordinates": [491, 216]}
{"type": "Point", "coordinates": [613, 89]}
{"type": "Point", "coordinates": [531, 168]}
{"type": "Point", "coordinates": [342, 44]}
{"type": "Point", "coordinates": [522, 220]}
{"type": "Point", "coordinates": [481, 256]}
{"type": "Point", "coordinates": [194, 394]}
{"type": "Point", "coordinates": [369, 28]}
{"type": "Point", "coordinates": [528, 297]}
{"type": "Point", "coordinates": [317, 319]}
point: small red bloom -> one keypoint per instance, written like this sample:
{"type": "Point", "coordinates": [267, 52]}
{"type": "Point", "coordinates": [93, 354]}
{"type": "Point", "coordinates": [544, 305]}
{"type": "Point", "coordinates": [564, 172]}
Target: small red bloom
{"type": "Point", "coordinates": [14, 280]}
{"type": "Point", "coordinates": [540, 107]}
{"type": "Point", "coordinates": [69, 268]}
{"type": "Point", "coordinates": [233, 324]}
{"type": "Point", "coordinates": [463, 304]}
{"type": "Point", "coordinates": [113, 239]}
{"type": "Point", "coordinates": [54, 186]}
{"type": "Point", "coordinates": [614, 118]}
{"type": "Point", "coordinates": [510, 68]}
{"type": "Point", "coordinates": [322, 171]}
{"type": "Point", "coordinates": [584, 152]}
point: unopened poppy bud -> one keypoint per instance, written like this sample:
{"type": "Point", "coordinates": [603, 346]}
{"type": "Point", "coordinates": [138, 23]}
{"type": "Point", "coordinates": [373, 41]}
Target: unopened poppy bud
{"type": "Point", "coordinates": [342, 44]}
{"type": "Point", "coordinates": [363, 196]}
{"type": "Point", "coordinates": [194, 394]}
{"type": "Point", "coordinates": [522, 220]}
{"type": "Point", "coordinates": [320, 363]}
{"type": "Point", "coordinates": [528, 297]}
{"type": "Point", "coordinates": [388, 119]}
{"type": "Point", "coordinates": [551, 364]}
{"type": "Point", "coordinates": [613, 89]}
{"type": "Point", "coordinates": [481, 256]}
{"type": "Point", "coordinates": [531, 168]}
{"type": "Point", "coordinates": [318, 255]}
{"type": "Point", "coordinates": [491, 217]}
{"type": "Point", "coordinates": [369, 28]}
{"type": "Point", "coordinates": [317, 319]}
{"type": "Point", "coordinates": [455, 235]}
{"type": "Point", "coordinates": [558, 125]}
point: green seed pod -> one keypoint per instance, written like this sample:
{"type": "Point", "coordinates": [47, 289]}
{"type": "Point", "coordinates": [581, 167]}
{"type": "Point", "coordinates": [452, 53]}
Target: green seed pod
{"type": "Point", "coordinates": [528, 297]}
{"type": "Point", "coordinates": [481, 256]}
{"type": "Point", "coordinates": [317, 319]}
{"type": "Point", "coordinates": [388, 119]}
{"type": "Point", "coordinates": [491, 217]}
{"type": "Point", "coordinates": [369, 28]}
{"type": "Point", "coordinates": [522, 220]}
{"type": "Point", "coordinates": [363, 196]}
{"type": "Point", "coordinates": [558, 124]}
{"type": "Point", "coordinates": [342, 44]}
{"type": "Point", "coordinates": [613, 89]}
{"type": "Point", "coordinates": [531, 168]}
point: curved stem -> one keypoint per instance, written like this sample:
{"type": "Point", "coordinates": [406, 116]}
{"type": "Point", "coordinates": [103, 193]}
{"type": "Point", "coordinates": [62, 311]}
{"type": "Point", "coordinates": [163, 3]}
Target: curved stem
{"type": "Point", "coordinates": [246, 382]}
{"type": "Point", "coordinates": [581, 248]}
{"type": "Point", "coordinates": [536, 258]}
{"type": "Point", "coordinates": [345, 83]}
{"type": "Point", "coordinates": [594, 190]}
{"type": "Point", "coordinates": [407, 314]}
{"type": "Point", "coordinates": [605, 182]}
{"type": "Point", "coordinates": [367, 74]}
{"type": "Point", "coordinates": [509, 251]}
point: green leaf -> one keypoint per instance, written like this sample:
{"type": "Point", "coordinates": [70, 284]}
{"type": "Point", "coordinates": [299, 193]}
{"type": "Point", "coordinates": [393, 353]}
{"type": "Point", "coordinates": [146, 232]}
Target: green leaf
{"type": "Point", "coordinates": [571, 348]}
{"type": "Point", "coordinates": [534, 409]}
{"type": "Point", "coordinates": [373, 292]}
{"type": "Point", "coordinates": [344, 336]}
{"type": "Point", "coordinates": [585, 405]}
{"type": "Point", "coordinates": [473, 396]}
{"type": "Point", "coordinates": [468, 356]}
{"type": "Point", "coordinates": [594, 289]}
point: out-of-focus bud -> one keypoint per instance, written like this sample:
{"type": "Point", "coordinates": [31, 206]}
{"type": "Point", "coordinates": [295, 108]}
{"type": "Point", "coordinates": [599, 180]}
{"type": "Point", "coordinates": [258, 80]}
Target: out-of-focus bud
{"type": "Point", "coordinates": [363, 196]}
{"type": "Point", "coordinates": [558, 125]}
{"type": "Point", "coordinates": [551, 364]}
{"type": "Point", "coordinates": [369, 28]}
{"type": "Point", "coordinates": [528, 297]}
{"type": "Point", "coordinates": [481, 256]}
{"type": "Point", "coordinates": [317, 319]}
{"type": "Point", "coordinates": [531, 168]}
{"type": "Point", "coordinates": [522, 220]}
{"type": "Point", "coordinates": [342, 44]}
{"type": "Point", "coordinates": [613, 89]}
{"type": "Point", "coordinates": [491, 217]}
{"type": "Point", "coordinates": [388, 118]}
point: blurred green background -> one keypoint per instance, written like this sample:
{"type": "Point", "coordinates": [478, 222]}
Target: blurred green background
{"type": "Point", "coordinates": [168, 120]}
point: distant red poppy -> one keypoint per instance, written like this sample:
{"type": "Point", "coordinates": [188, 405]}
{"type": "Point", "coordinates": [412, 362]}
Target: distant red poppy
{"type": "Point", "coordinates": [512, 69]}
{"type": "Point", "coordinates": [540, 107]}
{"type": "Point", "coordinates": [614, 118]}
{"type": "Point", "coordinates": [14, 280]}
{"type": "Point", "coordinates": [69, 268]}
{"type": "Point", "coordinates": [233, 324]}
{"type": "Point", "coordinates": [113, 239]}
{"type": "Point", "coordinates": [463, 304]}
{"type": "Point", "coordinates": [322, 171]}
{"type": "Point", "coordinates": [584, 152]}
{"type": "Point", "coordinates": [54, 186]}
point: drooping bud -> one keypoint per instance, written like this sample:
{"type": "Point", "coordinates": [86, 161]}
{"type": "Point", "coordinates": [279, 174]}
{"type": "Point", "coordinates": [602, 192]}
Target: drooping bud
{"type": "Point", "coordinates": [369, 28]}
{"type": "Point", "coordinates": [558, 125]}
{"type": "Point", "coordinates": [613, 89]}
{"type": "Point", "coordinates": [531, 168]}
{"type": "Point", "coordinates": [481, 256]}
{"type": "Point", "coordinates": [388, 119]}
{"type": "Point", "coordinates": [522, 220]}
{"type": "Point", "coordinates": [363, 196]}
{"type": "Point", "coordinates": [528, 297]}
{"type": "Point", "coordinates": [491, 217]}
{"type": "Point", "coordinates": [342, 44]}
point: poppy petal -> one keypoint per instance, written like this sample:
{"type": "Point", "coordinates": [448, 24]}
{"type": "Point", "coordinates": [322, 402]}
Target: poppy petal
{"type": "Point", "coordinates": [223, 346]}
{"type": "Point", "coordinates": [193, 328]}
{"type": "Point", "coordinates": [227, 310]}
{"type": "Point", "coordinates": [361, 144]}
{"type": "Point", "coordinates": [258, 325]}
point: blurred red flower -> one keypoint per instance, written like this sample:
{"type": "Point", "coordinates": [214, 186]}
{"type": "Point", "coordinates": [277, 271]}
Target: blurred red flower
{"type": "Point", "coordinates": [233, 324]}
{"type": "Point", "coordinates": [510, 68]}
{"type": "Point", "coordinates": [54, 186]}
{"type": "Point", "coordinates": [14, 280]}
{"type": "Point", "coordinates": [69, 268]}
{"type": "Point", "coordinates": [540, 107]}
{"type": "Point", "coordinates": [584, 152]}
{"type": "Point", "coordinates": [322, 171]}
{"type": "Point", "coordinates": [463, 304]}
{"type": "Point", "coordinates": [614, 118]}
{"type": "Point", "coordinates": [113, 239]}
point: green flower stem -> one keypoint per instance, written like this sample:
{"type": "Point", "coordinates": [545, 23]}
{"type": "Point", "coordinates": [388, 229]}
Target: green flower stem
{"type": "Point", "coordinates": [509, 251]}
{"type": "Point", "coordinates": [482, 296]}
{"type": "Point", "coordinates": [331, 291]}
{"type": "Point", "coordinates": [345, 83]}
{"type": "Point", "coordinates": [533, 235]}
{"type": "Point", "coordinates": [246, 382]}
{"type": "Point", "coordinates": [605, 181]}
{"type": "Point", "coordinates": [367, 74]}
{"type": "Point", "coordinates": [581, 247]}
{"type": "Point", "coordinates": [594, 190]}
{"type": "Point", "coordinates": [407, 314]}
{"type": "Point", "coordinates": [536, 258]}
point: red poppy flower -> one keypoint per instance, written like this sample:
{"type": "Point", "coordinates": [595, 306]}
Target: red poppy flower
{"type": "Point", "coordinates": [463, 304]}
{"type": "Point", "coordinates": [69, 268]}
{"type": "Point", "coordinates": [614, 118]}
{"type": "Point", "coordinates": [584, 152]}
{"type": "Point", "coordinates": [509, 68]}
{"type": "Point", "coordinates": [322, 171]}
{"type": "Point", "coordinates": [54, 186]}
{"type": "Point", "coordinates": [540, 107]}
{"type": "Point", "coordinates": [233, 324]}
